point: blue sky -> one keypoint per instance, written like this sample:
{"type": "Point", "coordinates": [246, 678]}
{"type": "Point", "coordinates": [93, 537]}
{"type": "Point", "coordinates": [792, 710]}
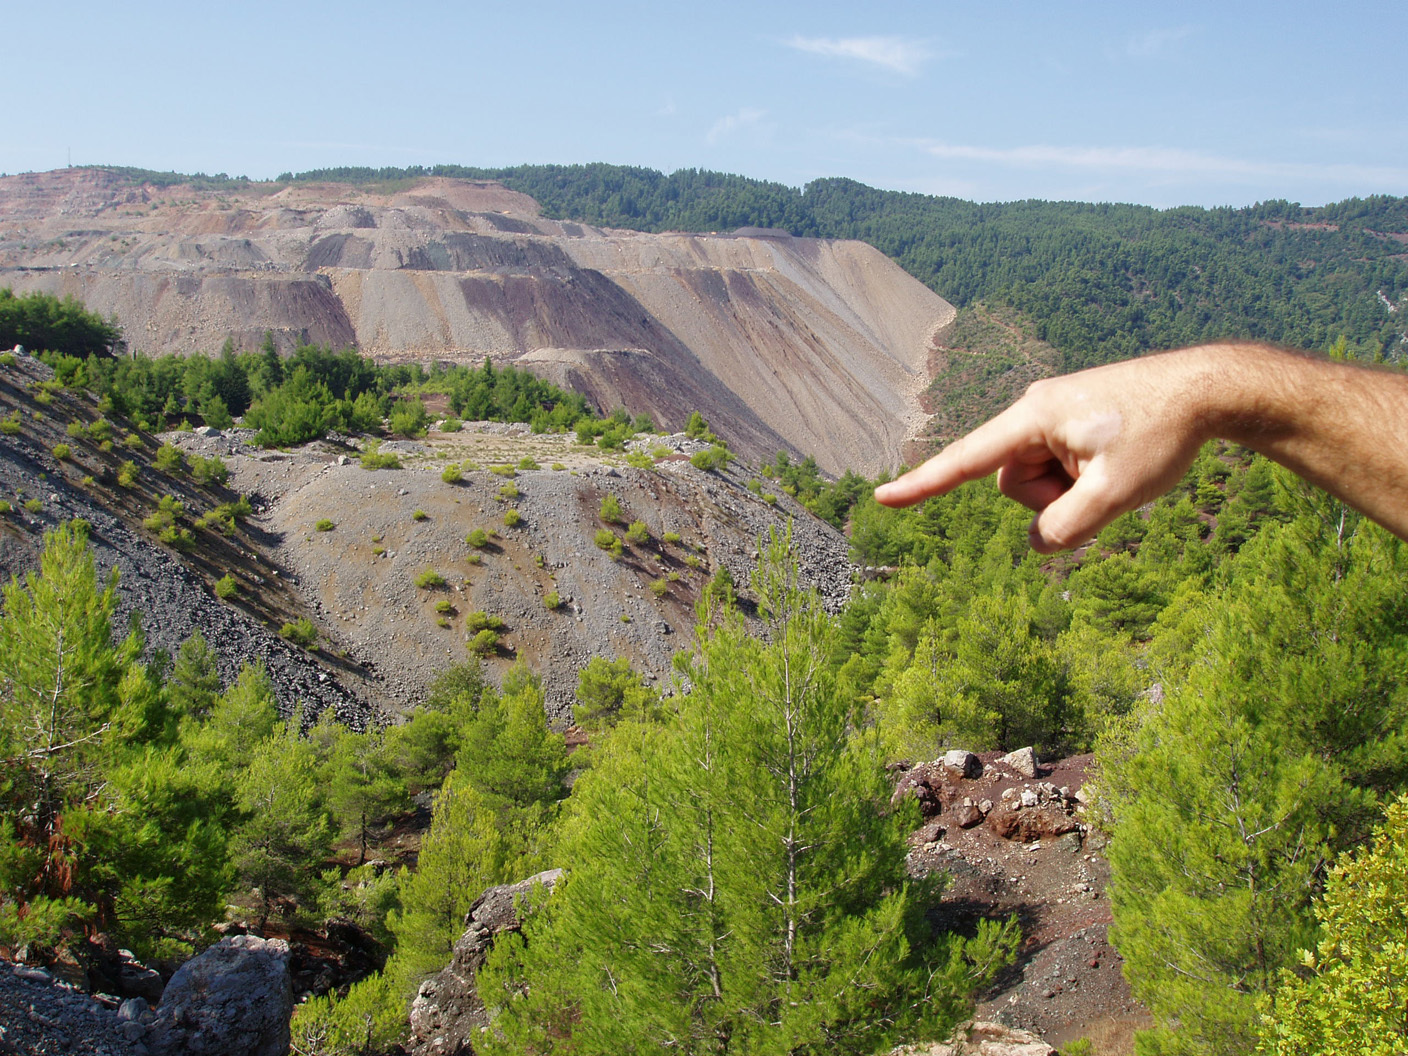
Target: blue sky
{"type": "Point", "coordinates": [1195, 103]}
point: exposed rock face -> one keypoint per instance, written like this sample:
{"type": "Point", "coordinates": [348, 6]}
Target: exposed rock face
{"type": "Point", "coordinates": [235, 997]}
{"type": "Point", "coordinates": [448, 1013]}
{"type": "Point", "coordinates": [783, 343]}
{"type": "Point", "coordinates": [984, 1039]}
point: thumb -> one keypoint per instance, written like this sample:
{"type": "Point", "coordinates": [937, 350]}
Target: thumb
{"type": "Point", "coordinates": [1075, 517]}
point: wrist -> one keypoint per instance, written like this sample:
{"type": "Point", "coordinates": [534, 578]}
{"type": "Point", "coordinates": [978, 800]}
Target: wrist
{"type": "Point", "coordinates": [1243, 392]}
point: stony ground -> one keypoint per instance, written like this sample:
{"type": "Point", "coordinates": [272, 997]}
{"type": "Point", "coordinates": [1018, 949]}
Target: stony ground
{"type": "Point", "coordinates": [1041, 862]}
{"type": "Point", "coordinates": [381, 636]}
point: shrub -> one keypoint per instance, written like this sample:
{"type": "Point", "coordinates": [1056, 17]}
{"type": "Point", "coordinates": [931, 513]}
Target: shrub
{"type": "Point", "coordinates": [483, 643]}
{"type": "Point", "coordinates": [474, 558]}
{"type": "Point", "coordinates": [503, 471]}
{"type": "Point", "coordinates": [451, 425]}
{"type": "Point", "coordinates": [176, 536]}
{"type": "Point", "coordinates": [673, 538]}
{"type": "Point", "coordinates": [169, 458]}
{"type": "Point", "coordinates": [133, 441]}
{"type": "Point", "coordinates": [7, 359]}
{"type": "Point", "coordinates": [605, 539]}
{"type": "Point", "coordinates": [715, 457]}
{"type": "Point", "coordinates": [10, 424]}
{"type": "Point", "coordinates": [301, 631]}
{"type": "Point", "coordinates": [552, 600]}
{"type": "Point", "coordinates": [659, 451]}
{"type": "Point", "coordinates": [76, 430]}
{"type": "Point", "coordinates": [444, 606]}
{"type": "Point", "coordinates": [208, 471]}
{"type": "Point", "coordinates": [324, 525]}
{"type": "Point", "coordinates": [558, 467]}
{"type": "Point", "coordinates": [62, 451]}
{"type": "Point", "coordinates": [430, 580]}
{"type": "Point", "coordinates": [478, 538]}
{"type": "Point", "coordinates": [226, 587]}
{"type": "Point", "coordinates": [105, 447]}
{"type": "Point", "coordinates": [770, 498]}
{"type": "Point", "coordinates": [372, 457]}
{"type": "Point", "coordinates": [508, 491]}
{"type": "Point", "coordinates": [419, 515]}
{"type": "Point", "coordinates": [470, 467]}
{"type": "Point", "coordinates": [526, 462]}
{"type": "Point", "coordinates": [673, 577]}
{"type": "Point", "coordinates": [43, 397]}
{"type": "Point", "coordinates": [451, 474]}
{"type": "Point", "coordinates": [512, 518]}
{"type": "Point", "coordinates": [640, 460]}
{"type": "Point", "coordinates": [167, 510]}
{"type": "Point", "coordinates": [100, 430]}
{"type": "Point", "coordinates": [88, 481]}
{"type": "Point", "coordinates": [610, 509]}
{"type": "Point", "coordinates": [223, 517]}
{"type": "Point", "coordinates": [5, 506]}
{"type": "Point", "coordinates": [659, 587]}
{"type": "Point", "coordinates": [441, 621]}
{"type": "Point", "coordinates": [378, 551]}
{"type": "Point", "coordinates": [637, 533]}
{"type": "Point", "coordinates": [691, 560]}
{"type": "Point", "coordinates": [33, 505]}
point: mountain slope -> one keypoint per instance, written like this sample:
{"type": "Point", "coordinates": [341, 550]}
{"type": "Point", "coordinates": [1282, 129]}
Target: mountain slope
{"type": "Point", "coordinates": [798, 344]}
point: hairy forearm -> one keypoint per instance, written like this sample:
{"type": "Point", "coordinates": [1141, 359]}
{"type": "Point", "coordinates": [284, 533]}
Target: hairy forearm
{"type": "Point", "coordinates": [1342, 427]}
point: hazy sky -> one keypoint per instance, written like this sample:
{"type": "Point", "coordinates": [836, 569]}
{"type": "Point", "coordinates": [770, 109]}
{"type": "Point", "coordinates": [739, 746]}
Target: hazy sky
{"type": "Point", "coordinates": [1191, 103]}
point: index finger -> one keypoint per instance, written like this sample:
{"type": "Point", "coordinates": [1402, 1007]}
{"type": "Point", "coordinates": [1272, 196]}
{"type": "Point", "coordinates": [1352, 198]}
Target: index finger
{"type": "Point", "coordinates": [983, 451]}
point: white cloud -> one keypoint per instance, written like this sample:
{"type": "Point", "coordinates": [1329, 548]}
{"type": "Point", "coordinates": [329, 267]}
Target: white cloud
{"type": "Point", "coordinates": [1147, 45]}
{"type": "Point", "coordinates": [731, 123]}
{"type": "Point", "coordinates": [1166, 161]}
{"type": "Point", "coordinates": [893, 53]}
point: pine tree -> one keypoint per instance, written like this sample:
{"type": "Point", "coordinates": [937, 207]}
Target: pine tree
{"type": "Point", "coordinates": [1269, 757]}
{"type": "Point", "coordinates": [736, 877]}
{"type": "Point", "coordinates": [284, 834]}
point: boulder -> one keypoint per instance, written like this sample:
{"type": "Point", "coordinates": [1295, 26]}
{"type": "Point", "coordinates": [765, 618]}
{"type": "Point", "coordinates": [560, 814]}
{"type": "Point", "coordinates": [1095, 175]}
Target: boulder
{"type": "Point", "coordinates": [1023, 761]}
{"type": "Point", "coordinates": [448, 1013]}
{"type": "Point", "coordinates": [965, 764]}
{"type": "Point", "coordinates": [1046, 820]}
{"type": "Point", "coordinates": [967, 816]}
{"type": "Point", "coordinates": [235, 997]}
{"type": "Point", "coordinates": [933, 785]}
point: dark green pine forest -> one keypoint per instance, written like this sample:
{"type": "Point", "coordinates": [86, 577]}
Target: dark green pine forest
{"type": "Point", "coordinates": [1235, 654]}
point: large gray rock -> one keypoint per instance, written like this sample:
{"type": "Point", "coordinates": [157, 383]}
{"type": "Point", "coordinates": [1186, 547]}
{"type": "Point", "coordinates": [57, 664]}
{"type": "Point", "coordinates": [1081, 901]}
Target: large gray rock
{"type": "Point", "coordinates": [448, 1013]}
{"type": "Point", "coordinates": [235, 998]}
{"type": "Point", "coordinates": [965, 764]}
{"type": "Point", "coordinates": [1023, 760]}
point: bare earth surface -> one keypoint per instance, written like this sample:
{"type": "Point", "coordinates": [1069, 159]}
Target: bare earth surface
{"type": "Point", "coordinates": [814, 346]}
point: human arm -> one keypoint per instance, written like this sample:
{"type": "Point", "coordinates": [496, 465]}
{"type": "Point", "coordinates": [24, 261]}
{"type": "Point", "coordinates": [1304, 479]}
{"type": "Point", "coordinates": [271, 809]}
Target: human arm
{"type": "Point", "coordinates": [1082, 449]}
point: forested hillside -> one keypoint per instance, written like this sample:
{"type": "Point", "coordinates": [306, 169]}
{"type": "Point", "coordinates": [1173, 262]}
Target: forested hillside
{"type": "Point", "coordinates": [1101, 281]}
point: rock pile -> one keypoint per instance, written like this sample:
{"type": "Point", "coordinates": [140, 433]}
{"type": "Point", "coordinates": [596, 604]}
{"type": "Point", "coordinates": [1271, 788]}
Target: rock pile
{"type": "Point", "coordinates": [963, 790]}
